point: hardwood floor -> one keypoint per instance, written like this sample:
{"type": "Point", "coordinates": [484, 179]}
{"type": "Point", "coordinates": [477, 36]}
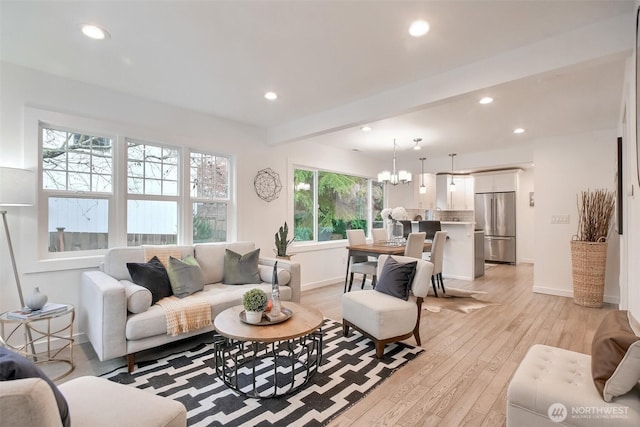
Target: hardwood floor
{"type": "Point", "coordinates": [462, 376]}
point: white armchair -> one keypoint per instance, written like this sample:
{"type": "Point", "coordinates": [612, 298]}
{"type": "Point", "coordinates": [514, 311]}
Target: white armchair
{"type": "Point", "coordinates": [384, 318]}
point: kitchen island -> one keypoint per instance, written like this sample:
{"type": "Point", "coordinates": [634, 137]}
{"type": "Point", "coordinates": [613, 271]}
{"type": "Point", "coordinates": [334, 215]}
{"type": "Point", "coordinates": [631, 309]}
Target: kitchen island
{"type": "Point", "coordinates": [459, 253]}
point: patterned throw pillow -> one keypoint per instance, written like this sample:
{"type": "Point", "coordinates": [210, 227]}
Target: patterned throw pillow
{"type": "Point", "coordinates": [395, 278]}
{"type": "Point", "coordinates": [185, 276]}
{"type": "Point", "coordinates": [241, 269]}
{"type": "Point", "coordinates": [153, 276]}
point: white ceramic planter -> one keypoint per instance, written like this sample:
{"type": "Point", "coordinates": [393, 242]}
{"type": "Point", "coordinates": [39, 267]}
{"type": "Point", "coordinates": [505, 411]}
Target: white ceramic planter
{"type": "Point", "coordinates": [253, 316]}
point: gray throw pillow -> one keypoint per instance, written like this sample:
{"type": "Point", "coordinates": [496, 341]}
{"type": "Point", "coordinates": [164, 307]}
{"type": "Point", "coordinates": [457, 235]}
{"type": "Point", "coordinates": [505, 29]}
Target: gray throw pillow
{"type": "Point", "coordinates": [153, 276]}
{"type": "Point", "coordinates": [395, 278]}
{"type": "Point", "coordinates": [241, 269]}
{"type": "Point", "coordinates": [15, 367]}
{"type": "Point", "coordinates": [185, 276]}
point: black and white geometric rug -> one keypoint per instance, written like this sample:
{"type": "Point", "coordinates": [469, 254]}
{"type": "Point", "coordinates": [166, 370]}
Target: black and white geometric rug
{"type": "Point", "coordinates": [348, 372]}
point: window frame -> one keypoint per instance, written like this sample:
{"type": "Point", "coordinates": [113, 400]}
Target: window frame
{"type": "Point", "coordinates": [178, 198]}
{"type": "Point", "coordinates": [316, 171]}
{"type": "Point", "coordinates": [43, 195]}
{"type": "Point", "coordinates": [35, 255]}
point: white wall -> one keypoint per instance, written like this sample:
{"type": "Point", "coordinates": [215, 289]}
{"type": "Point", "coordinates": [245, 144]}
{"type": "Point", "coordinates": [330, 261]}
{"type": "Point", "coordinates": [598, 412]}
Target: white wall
{"type": "Point", "coordinates": [564, 167]}
{"type": "Point", "coordinates": [23, 89]}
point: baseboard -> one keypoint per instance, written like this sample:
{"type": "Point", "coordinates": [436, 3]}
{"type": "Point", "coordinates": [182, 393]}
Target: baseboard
{"type": "Point", "coordinates": [456, 277]}
{"type": "Point", "coordinates": [527, 261]}
{"type": "Point", "coordinates": [322, 283]}
{"type": "Point", "coordinates": [569, 294]}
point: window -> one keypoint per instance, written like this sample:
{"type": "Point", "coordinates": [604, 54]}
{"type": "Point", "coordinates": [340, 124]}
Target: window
{"type": "Point", "coordinates": [152, 188]}
{"type": "Point", "coordinates": [209, 183]}
{"type": "Point", "coordinates": [327, 204]}
{"type": "Point", "coordinates": [100, 189]}
{"type": "Point", "coordinates": [77, 174]}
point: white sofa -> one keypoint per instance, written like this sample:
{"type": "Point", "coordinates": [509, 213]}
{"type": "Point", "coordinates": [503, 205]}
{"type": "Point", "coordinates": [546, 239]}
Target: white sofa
{"type": "Point", "coordinates": [114, 331]}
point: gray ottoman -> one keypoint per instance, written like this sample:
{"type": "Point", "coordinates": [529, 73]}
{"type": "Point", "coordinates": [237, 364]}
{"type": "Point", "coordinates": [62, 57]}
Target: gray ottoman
{"type": "Point", "coordinates": [553, 386]}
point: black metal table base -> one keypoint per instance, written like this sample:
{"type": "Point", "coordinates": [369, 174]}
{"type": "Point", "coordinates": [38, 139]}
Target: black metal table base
{"type": "Point", "coordinates": [265, 370]}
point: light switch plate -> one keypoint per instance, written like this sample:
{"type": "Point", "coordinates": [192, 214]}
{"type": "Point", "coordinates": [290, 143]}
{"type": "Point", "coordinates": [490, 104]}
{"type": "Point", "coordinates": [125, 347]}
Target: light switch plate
{"type": "Point", "coordinates": [559, 219]}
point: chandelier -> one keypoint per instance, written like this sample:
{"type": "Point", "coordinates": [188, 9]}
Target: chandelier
{"type": "Point", "coordinates": [394, 177]}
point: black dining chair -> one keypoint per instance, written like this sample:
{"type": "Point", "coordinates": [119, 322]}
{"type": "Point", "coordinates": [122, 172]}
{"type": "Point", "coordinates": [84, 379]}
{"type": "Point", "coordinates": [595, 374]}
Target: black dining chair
{"type": "Point", "coordinates": [406, 228]}
{"type": "Point", "coordinates": [429, 227]}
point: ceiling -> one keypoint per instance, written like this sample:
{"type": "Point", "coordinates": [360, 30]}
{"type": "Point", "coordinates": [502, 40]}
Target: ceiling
{"type": "Point", "coordinates": [337, 65]}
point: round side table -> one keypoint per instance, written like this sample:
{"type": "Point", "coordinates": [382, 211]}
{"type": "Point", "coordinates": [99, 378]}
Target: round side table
{"type": "Point", "coordinates": [38, 332]}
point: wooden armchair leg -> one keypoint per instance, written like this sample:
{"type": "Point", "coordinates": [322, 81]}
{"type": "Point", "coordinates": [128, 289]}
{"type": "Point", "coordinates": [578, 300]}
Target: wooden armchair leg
{"type": "Point", "coordinates": [416, 329]}
{"type": "Point", "coordinates": [345, 329]}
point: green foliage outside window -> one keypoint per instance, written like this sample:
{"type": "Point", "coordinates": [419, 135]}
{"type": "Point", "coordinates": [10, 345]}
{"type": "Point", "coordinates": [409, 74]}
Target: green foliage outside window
{"type": "Point", "coordinates": [342, 204]}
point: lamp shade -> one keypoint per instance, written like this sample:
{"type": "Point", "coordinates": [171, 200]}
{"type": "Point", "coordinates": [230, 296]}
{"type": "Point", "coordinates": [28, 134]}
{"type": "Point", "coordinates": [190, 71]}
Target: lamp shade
{"type": "Point", "coordinates": [16, 187]}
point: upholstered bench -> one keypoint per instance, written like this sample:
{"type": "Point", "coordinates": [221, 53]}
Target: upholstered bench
{"type": "Point", "coordinates": [551, 380]}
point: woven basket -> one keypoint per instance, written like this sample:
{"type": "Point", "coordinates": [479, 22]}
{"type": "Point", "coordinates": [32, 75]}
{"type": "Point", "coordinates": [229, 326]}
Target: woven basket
{"type": "Point", "coordinates": [588, 263]}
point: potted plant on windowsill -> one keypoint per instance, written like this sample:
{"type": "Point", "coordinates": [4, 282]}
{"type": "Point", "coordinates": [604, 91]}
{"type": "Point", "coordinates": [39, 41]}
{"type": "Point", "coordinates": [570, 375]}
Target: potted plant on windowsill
{"type": "Point", "coordinates": [589, 246]}
{"type": "Point", "coordinates": [282, 243]}
{"type": "Point", "coordinates": [254, 302]}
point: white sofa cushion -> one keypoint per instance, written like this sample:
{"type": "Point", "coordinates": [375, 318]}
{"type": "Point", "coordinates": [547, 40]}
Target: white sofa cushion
{"type": "Point", "coordinates": [266, 275]}
{"type": "Point", "coordinates": [380, 315]}
{"type": "Point", "coordinates": [211, 258]}
{"type": "Point", "coordinates": [153, 321]}
{"type": "Point", "coordinates": [138, 297]}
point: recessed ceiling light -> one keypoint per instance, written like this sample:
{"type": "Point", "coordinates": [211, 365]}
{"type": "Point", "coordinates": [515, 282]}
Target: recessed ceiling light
{"type": "Point", "coordinates": [486, 100]}
{"type": "Point", "coordinates": [366, 128]}
{"type": "Point", "coordinates": [271, 96]}
{"type": "Point", "coordinates": [419, 28]}
{"type": "Point", "coordinates": [518, 130]}
{"type": "Point", "coordinates": [95, 32]}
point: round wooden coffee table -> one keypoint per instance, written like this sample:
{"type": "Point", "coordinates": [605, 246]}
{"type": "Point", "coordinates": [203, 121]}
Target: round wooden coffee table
{"type": "Point", "coordinates": [269, 360]}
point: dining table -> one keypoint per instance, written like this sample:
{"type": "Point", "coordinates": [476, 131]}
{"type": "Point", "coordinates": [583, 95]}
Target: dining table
{"type": "Point", "coordinates": [375, 250]}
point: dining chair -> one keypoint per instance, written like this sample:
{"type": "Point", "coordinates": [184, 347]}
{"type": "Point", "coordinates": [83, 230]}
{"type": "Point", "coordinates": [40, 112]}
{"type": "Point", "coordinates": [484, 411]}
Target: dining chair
{"type": "Point", "coordinates": [437, 254]}
{"type": "Point", "coordinates": [379, 235]}
{"type": "Point", "coordinates": [406, 228]}
{"type": "Point", "coordinates": [360, 264]}
{"type": "Point", "coordinates": [415, 245]}
{"type": "Point", "coordinates": [429, 227]}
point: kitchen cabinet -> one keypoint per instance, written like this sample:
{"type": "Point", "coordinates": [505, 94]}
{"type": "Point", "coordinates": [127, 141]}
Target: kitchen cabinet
{"type": "Point", "coordinates": [461, 199]}
{"type": "Point", "coordinates": [428, 199]}
{"type": "Point", "coordinates": [496, 182]}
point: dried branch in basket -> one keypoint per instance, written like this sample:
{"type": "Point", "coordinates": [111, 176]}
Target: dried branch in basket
{"type": "Point", "coordinates": [595, 210]}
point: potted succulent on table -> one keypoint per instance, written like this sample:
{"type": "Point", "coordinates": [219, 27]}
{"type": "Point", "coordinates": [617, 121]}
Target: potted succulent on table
{"type": "Point", "coordinates": [589, 246]}
{"type": "Point", "coordinates": [254, 302]}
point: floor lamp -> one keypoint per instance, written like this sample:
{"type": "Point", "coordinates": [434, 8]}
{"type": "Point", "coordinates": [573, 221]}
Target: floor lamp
{"type": "Point", "coordinates": [16, 189]}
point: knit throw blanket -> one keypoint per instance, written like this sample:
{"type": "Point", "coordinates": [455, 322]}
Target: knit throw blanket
{"type": "Point", "coordinates": [185, 315]}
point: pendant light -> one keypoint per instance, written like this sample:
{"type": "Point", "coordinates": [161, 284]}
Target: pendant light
{"type": "Point", "coordinates": [394, 177]}
{"type": "Point", "coordinates": [423, 188]}
{"type": "Point", "coordinates": [452, 186]}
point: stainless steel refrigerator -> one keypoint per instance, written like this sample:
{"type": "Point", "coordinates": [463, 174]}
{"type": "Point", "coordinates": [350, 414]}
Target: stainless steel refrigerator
{"type": "Point", "coordinates": [496, 215]}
